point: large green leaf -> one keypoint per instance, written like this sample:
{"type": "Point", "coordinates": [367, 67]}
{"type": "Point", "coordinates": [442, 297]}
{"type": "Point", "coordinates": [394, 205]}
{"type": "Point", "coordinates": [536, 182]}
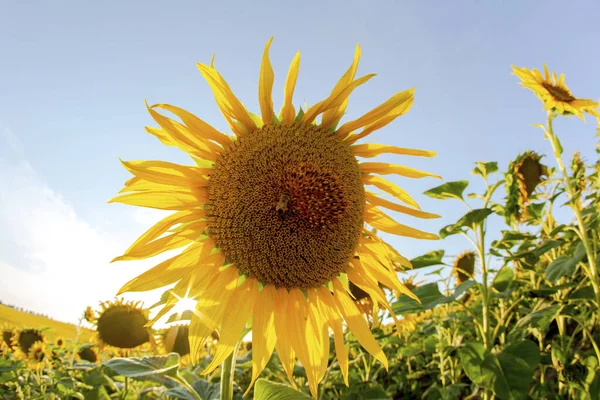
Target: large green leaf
{"type": "Point", "coordinates": [206, 390]}
{"type": "Point", "coordinates": [428, 259]}
{"type": "Point", "coordinates": [448, 190]}
{"type": "Point", "coordinates": [519, 361]}
{"type": "Point", "coordinates": [538, 319]}
{"type": "Point", "coordinates": [503, 278]}
{"type": "Point", "coordinates": [469, 220]}
{"type": "Point", "coordinates": [430, 297]}
{"type": "Point", "coordinates": [484, 370]}
{"type": "Point", "coordinates": [365, 391]}
{"type": "Point", "coordinates": [565, 265]}
{"type": "Point", "coordinates": [154, 368]}
{"type": "Point", "coordinates": [265, 390]}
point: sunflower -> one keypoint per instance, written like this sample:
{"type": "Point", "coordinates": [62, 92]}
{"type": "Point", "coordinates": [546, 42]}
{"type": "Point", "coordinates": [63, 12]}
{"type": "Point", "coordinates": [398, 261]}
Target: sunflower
{"type": "Point", "coordinates": [270, 220]}
{"type": "Point", "coordinates": [122, 324]}
{"type": "Point", "coordinates": [89, 314]}
{"type": "Point", "coordinates": [554, 92]}
{"type": "Point", "coordinates": [175, 339]}
{"type": "Point", "coordinates": [59, 342]}
{"type": "Point", "coordinates": [523, 177]}
{"type": "Point", "coordinates": [7, 334]}
{"type": "Point", "coordinates": [24, 339]}
{"type": "Point", "coordinates": [38, 356]}
{"type": "Point", "coordinates": [87, 353]}
{"type": "Point", "coordinates": [464, 267]}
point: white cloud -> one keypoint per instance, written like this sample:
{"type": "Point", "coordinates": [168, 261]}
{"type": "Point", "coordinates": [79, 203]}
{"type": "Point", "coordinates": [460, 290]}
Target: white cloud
{"type": "Point", "coordinates": [51, 260]}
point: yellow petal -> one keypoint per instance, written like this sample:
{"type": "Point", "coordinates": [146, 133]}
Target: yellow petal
{"type": "Point", "coordinates": [164, 225]}
{"type": "Point", "coordinates": [229, 104]}
{"type": "Point", "coordinates": [382, 111]}
{"type": "Point", "coordinates": [368, 150]}
{"type": "Point", "coordinates": [357, 323]}
{"type": "Point", "coordinates": [381, 221]}
{"type": "Point", "coordinates": [284, 347]}
{"type": "Point", "coordinates": [329, 308]}
{"type": "Point", "coordinates": [317, 327]}
{"type": "Point", "coordinates": [198, 126]}
{"type": "Point", "coordinates": [167, 173]}
{"type": "Point", "coordinates": [165, 243]}
{"type": "Point", "coordinates": [263, 332]}
{"type": "Point", "coordinates": [384, 168]}
{"type": "Point", "coordinates": [179, 134]}
{"type": "Point", "coordinates": [265, 86]}
{"type": "Point", "coordinates": [380, 123]}
{"type": "Point", "coordinates": [288, 112]}
{"type": "Point", "coordinates": [332, 116]}
{"type": "Point", "coordinates": [334, 100]}
{"type": "Point", "coordinates": [210, 309]}
{"type": "Point", "coordinates": [137, 184]}
{"type": "Point", "coordinates": [377, 201]}
{"type": "Point", "coordinates": [239, 310]}
{"type": "Point", "coordinates": [164, 200]}
{"type": "Point", "coordinates": [390, 188]}
{"type": "Point", "coordinates": [382, 274]}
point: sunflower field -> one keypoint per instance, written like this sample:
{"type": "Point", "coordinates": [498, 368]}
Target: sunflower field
{"type": "Point", "coordinates": [279, 229]}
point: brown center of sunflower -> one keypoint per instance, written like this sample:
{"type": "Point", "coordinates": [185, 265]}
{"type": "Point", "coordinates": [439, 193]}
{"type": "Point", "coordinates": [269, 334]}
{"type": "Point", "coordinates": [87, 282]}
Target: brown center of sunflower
{"type": "Point", "coordinates": [285, 205]}
{"type": "Point", "coordinates": [558, 93]}
{"type": "Point", "coordinates": [122, 326]}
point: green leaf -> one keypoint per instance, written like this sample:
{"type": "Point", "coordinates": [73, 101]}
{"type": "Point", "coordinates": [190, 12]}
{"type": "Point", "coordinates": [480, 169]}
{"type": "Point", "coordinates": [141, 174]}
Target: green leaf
{"type": "Point", "coordinates": [429, 295]}
{"type": "Point", "coordinates": [519, 361]}
{"type": "Point", "coordinates": [265, 390]}
{"type": "Point", "coordinates": [428, 259]}
{"type": "Point", "coordinates": [206, 390]}
{"type": "Point", "coordinates": [469, 220]}
{"type": "Point", "coordinates": [485, 168]}
{"type": "Point", "coordinates": [463, 287]}
{"type": "Point", "coordinates": [503, 278]}
{"type": "Point", "coordinates": [153, 368]}
{"type": "Point", "coordinates": [483, 368]}
{"type": "Point", "coordinates": [584, 293]}
{"type": "Point", "coordinates": [538, 319]}
{"type": "Point", "coordinates": [448, 190]}
{"type": "Point", "coordinates": [365, 391]}
{"type": "Point", "coordinates": [565, 265]}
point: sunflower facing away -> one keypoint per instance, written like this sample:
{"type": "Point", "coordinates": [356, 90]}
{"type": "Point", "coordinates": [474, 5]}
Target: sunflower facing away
{"type": "Point", "coordinates": [554, 92]}
{"type": "Point", "coordinates": [272, 221]}
{"type": "Point", "coordinates": [464, 267]}
{"type": "Point", "coordinates": [121, 324]}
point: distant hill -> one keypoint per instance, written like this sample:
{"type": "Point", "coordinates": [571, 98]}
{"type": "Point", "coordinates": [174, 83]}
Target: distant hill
{"type": "Point", "coordinates": [17, 318]}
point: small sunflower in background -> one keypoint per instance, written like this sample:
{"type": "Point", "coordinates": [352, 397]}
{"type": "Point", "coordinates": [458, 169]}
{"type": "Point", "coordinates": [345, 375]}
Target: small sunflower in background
{"type": "Point", "coordinates": [23, 340]}
{"type": "Point", "coordinates": [410, 283]}
{"type": "Point", "coordinates": [121, 324]}
{"type": "Point", "coordinates": [38, 356]}
{"type": "Point", "coordinates": [524, 176]}
{"type": "Point", "coordinates": [175, 339]}
{"type": "Point", "coordinates": [555, 94]}
{"type": "Point", "coordinates": [87, 353]}
{"type": "Point", "coordinates": [7, 334]}
{"type": "Point", "coordinates": [59, 342]}
{"type": "Point", "coordinates": [271, 217]}
{"type": "Point", "coordinates": [464, 267]}
{"type": "Point", "coordinates": [89, 315]}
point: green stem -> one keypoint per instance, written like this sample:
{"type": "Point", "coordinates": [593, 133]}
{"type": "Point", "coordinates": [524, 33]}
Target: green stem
{"type": "Point", "coordinates": [484, 288]}
{"type": "Point", "coordinates": [227, 372]}
{"type": "Point", "coordinates": [571, 192]}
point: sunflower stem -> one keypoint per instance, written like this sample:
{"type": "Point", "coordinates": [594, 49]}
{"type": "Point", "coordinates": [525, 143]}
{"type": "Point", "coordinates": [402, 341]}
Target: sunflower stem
{"type": "Point", "coordinates": [227, 373]}
{"type": "Point", "coordinates": [589, 251]}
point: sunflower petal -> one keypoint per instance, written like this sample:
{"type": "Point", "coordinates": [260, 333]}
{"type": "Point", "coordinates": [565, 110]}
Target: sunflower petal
{"type": "Point", "coordinates": [239, 310]}
{"type": "Point", "coordinates": [393, 103]}
{"type": "Point", "coordinates": [381, 221]}
{"type": "Point", "coordinates": [332, 116]}
{"type": "Point", "coordinates": [380, 123]}
{"type": "Point", "coordinates": [334, 100]}
{"type": "Point", "coordinates": [368, 150]}
{"type": "Point", "coordinates": [163, 199]}
{"type": "Point", "coordinates": [284, 346]}
{"type": "Point", "coordinates": [377, 201]}
{"type": "Point", "coordinates": [167, 173]}
{"type": "Point", "coordinates": [210, 309]}
{"type": "Point", "coordinates": [390, 188]}
{"type": "Point", "coordinates": [384, 168]}
{"type": "Point", "coordinates": [265, 86]}
{"type": "Point", "coordinates": [198, 126]}
{"type": "Point", "coordinates": [356, 322]}
{"type": "Point", "coordinates": [229, 104]}
{"type": "Point", "coordinates": [263, 332]}
{"type": "Point", "coordinates": [287, 111]}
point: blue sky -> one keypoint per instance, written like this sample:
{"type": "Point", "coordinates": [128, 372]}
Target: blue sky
{"type": "Point", "coordinates": [74, 76]}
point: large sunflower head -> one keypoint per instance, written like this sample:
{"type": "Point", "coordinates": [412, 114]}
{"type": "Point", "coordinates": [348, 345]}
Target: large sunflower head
{"type": "Point", "coordinates": [122, 324]}
{"type": "Point", "coordinates": [524, 176]}
{"type": "Point", "coordinates": [271, 217]}
{"type": "Point", "coordinates": [464, 267]}
{"type": "Point", "coordinates": [555, 94]}
{"type": "Point", "coordinates": [39, 356]}
{"type": "Point", "coordinates": [175, 339]}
